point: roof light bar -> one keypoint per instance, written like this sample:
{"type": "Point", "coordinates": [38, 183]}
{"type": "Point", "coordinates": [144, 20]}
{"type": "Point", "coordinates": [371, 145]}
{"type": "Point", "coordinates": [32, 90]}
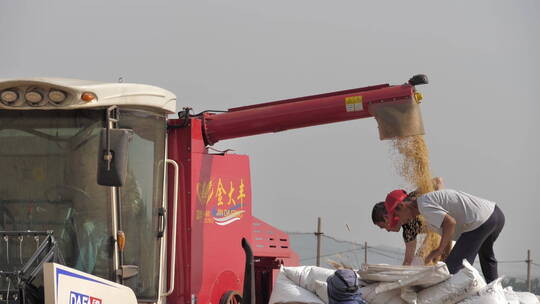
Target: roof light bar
{"type": "Point", "coordinates": [33, 97]}
{"type": "Point", "coordinates": [57, 96]}
{"type": "Point", "coordinates": [88, 96]}
{"type": "Point", "coordinates": [9, 96]}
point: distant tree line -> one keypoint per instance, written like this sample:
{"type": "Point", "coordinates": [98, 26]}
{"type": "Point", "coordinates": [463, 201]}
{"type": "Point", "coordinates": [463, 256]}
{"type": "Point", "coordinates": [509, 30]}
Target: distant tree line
{"type": "Point", "coordinates": [521, 285]}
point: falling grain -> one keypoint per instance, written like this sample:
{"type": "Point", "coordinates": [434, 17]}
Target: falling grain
{"type": "Point", "coordinates": [413, 165]}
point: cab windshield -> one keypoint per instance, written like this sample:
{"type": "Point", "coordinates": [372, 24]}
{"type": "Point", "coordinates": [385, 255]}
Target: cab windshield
{"type": "Point", "coordinates": [48, 183]}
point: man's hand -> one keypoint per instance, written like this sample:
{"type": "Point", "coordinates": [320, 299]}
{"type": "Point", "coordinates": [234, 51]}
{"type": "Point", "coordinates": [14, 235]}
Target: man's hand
{"type": "Point", "coordinates": [434, 255]}
{"type": "Point", "coordinates": [448, 227]}
{"type": "Point", "coordinates": [438, 183]}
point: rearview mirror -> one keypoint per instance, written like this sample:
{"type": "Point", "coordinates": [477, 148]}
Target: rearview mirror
{"type": "Point", "coordinates": [113, 156]}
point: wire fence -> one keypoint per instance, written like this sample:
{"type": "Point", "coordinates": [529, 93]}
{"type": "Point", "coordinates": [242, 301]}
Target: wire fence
{"type": "Point", "coordinates": [353, 254]}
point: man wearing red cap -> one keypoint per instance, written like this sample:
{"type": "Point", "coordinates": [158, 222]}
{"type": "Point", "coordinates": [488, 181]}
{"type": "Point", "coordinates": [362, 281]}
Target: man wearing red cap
{"type": "Point", "coordinates": [474, 223]}
{"type": "Point", "coordinates": [411, 229]}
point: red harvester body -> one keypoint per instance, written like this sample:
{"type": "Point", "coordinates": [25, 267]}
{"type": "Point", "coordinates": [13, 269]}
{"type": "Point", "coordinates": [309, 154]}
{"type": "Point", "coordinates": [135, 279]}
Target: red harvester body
{"type": "Point", "coordinates": [215, 197]}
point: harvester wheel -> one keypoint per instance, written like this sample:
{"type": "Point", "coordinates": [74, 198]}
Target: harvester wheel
{"type": "Point", "coordinates": [231, 297]}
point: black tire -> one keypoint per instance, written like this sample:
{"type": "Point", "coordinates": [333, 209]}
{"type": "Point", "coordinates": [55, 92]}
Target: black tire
{"type": "Point", "coordinates": [231, 297]}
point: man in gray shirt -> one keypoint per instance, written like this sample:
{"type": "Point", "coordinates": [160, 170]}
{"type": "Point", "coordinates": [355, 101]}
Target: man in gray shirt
{"type": "Point", "coordinates": [474, 223]}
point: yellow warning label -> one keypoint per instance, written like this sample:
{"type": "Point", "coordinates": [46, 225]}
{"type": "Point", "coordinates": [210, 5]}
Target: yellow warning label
{"type": "Point", "coordinates": [353, 103]}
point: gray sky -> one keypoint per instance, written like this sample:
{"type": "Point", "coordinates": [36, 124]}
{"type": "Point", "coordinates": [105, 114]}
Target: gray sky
{"type": "Point", "coordinates": [480, 109]}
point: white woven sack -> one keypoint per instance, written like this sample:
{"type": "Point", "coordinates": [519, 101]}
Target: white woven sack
{"type": "Point", "coordinates": [287, 292]}
{"type": "Point", "coordinates": [297, 274]}
{"type": "Point", "coordinates": [321, 290]}
{"type": "Point", "coordinates": [510, 295]}
{"type": "Point", "coordinates": [305, 276]}
{"type": "Point", "coordinates": [427, 277]}
{"type": "Point", "coordinates": [460, 286]}
{"type": "Point", "coordinates": [387, 297]}
{"type": "Point", "coordinates": [317, 274]}
{"type": "Point", "coordinates": [408, 295]}
{"type": "Point", "coordinates": [527, 298]}
{"type": "Point", "coordinates": [493, 293]}
{"type": "Point", "coordinates": [388, 273]}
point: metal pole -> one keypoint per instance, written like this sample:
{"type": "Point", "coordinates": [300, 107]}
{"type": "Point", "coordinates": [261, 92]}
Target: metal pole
{"type": "Point", "coordinates": [318, 234]}
{"type": "Point", "coordinates": [365, 253]}
{"type": "Point", "coordinates": [529, 261]}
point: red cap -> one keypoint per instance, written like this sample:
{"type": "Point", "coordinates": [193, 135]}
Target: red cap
{"type": "Point", "coordinates": [393, 199]}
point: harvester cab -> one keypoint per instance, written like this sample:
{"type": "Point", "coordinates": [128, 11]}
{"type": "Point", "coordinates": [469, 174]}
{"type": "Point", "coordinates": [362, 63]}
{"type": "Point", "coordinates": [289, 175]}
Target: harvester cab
{"type": "Point", "coordinates": [67, 184]}
{"type": "Point", "coordinates": [104, 199]}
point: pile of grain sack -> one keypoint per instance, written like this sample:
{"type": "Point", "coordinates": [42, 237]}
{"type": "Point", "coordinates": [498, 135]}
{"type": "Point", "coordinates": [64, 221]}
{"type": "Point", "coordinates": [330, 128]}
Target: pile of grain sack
{"type": "Point", "coordinates": [387, 284]}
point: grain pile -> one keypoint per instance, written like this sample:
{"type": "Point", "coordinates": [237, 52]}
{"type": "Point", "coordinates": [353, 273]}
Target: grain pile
{"type": "Point", "coordinates": [413, 165]}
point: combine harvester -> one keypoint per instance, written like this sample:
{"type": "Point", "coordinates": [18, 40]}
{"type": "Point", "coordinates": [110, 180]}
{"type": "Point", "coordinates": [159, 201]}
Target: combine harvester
{"type": "Point", "coordinates": [104, 200]}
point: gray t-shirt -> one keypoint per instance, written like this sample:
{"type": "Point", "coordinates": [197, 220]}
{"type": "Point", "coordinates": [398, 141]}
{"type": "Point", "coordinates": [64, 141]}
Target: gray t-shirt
{"type": "Point", "coordinates": [469, 211]}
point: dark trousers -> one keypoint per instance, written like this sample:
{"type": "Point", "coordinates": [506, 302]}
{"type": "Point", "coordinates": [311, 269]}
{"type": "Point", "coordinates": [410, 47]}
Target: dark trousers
{"type": "Point", "coordinates": [478, 242]}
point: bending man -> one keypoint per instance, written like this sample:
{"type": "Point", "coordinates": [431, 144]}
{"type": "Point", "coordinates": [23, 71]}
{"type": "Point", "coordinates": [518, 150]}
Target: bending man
{"type": "Point", "coordinates": [411, 229]}
{"type": "Point", "coordinates": [474, 223]}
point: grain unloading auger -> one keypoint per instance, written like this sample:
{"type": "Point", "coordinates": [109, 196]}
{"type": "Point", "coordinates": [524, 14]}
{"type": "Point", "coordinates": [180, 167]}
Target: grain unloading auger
{"type": "Point", "coordinates": [394, 107]}
{"type": "Point", "coordinates": [168, 220]}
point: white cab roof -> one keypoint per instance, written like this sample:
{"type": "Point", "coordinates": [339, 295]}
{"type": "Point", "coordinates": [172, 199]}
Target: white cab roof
{"type": "Point", "coordinates": [107, 94]}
